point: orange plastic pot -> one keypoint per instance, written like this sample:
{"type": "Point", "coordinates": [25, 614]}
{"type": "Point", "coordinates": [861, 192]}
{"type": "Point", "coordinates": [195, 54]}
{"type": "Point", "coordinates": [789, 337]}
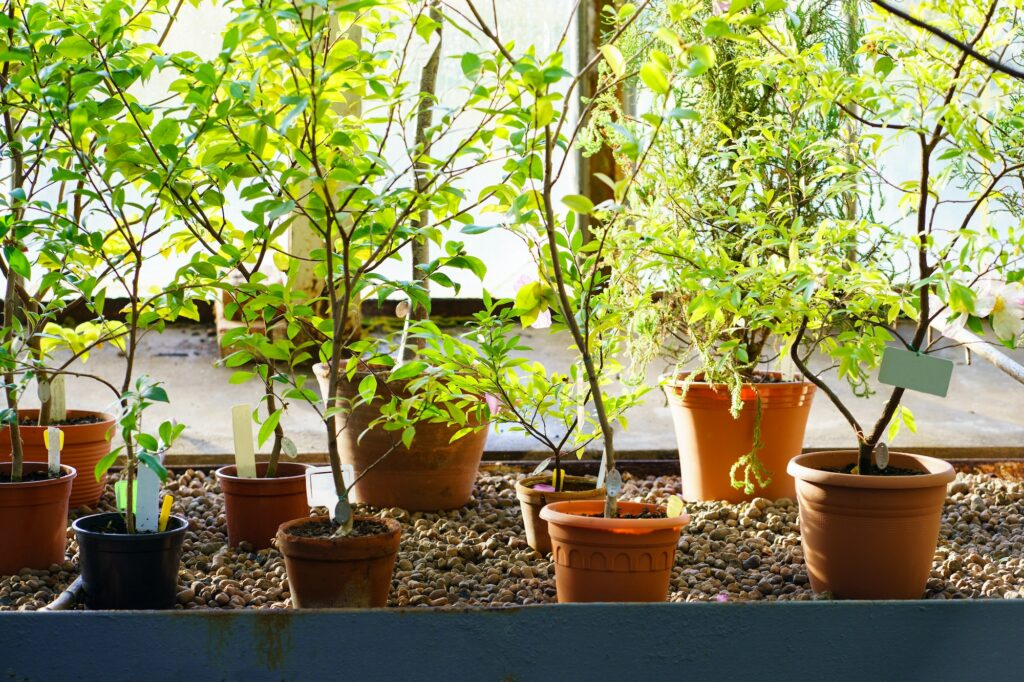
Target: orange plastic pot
{"type": "Point", "coordinates": [532, 501]}
{"type": "Point", "coordinates": [256, 507]}
{"type": "Point", "coordinates": [84, 446]}
{"type": "Point", "coordinates": [433, 474]}
{"type": "Point", "coordinates": [869, 537]}
{"type": "Point", "coordinates": [346, 572]}
{"type": "Point", "coordinates": [33, 519]}
{"type": "Point", "coordinates": [710, 440]}
{"type": "Point", "coordinates": [611, 560]}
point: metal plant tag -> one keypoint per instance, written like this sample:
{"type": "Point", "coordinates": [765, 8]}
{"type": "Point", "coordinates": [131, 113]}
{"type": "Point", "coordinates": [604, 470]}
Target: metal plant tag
{"type": "Point", "coordinates": [882, 455]}
{"type": "Point", "coordinates": [342, 512]}
{"type": "Point", "coordinates": [915, 371]}
{"type": "Point", "coordinates": [614, 482]}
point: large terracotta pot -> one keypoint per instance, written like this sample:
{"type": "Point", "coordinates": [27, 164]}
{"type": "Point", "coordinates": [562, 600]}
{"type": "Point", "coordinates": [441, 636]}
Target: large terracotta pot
{"type": "Point", "coordinates": [348, 572]}
{"type": "Point", "coordinates": [611, 560]}
{"type": "Point", "coordinates": [869, 537]}
{"type": "Point", "coordinates": [129, 571]}
{"type": "Point", "coordinates": [434, 474]}
{"type": "Point", "coordinates": [256, 507]}
{"type": "Point", "coordinates": [84, 446]}
{"type": "Point", "coordinates": [532, 501]}
{"type": "Point", "coordinates": [710, 440]}
{"type": "Point", "coordinates": [33, 519]}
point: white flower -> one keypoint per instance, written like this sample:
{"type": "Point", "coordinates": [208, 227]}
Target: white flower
{"type": "Point", "coordinates": [1004, 304]}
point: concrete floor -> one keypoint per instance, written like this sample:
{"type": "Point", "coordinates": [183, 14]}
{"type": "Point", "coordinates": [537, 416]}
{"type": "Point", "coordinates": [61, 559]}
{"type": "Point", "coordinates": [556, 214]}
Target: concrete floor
{"type": "Point", "coordinates": [983, 414]}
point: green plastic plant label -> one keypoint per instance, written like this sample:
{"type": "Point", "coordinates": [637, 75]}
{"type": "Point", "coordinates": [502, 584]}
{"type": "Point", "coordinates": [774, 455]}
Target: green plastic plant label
{"type": "Point", "coordinates": [915, 371]}
{"type": "Point", "coordinates": [121, 495]}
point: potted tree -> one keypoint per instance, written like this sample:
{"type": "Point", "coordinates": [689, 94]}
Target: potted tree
{"type": "Point", "coordinates": [870, 519]}
{"type": "Point", "coordinates": [738, 186]}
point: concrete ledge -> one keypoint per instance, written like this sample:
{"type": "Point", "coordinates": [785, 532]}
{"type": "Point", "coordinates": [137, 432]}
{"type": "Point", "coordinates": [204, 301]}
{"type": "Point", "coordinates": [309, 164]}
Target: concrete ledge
{"type": "Point", "coordinates": [914, 640]}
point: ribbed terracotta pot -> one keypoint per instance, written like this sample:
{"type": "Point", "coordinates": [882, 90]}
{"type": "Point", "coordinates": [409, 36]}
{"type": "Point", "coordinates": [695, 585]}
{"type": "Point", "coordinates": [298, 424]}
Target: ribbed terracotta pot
{"type": "Point", "coordinates": [532, 501]}
{"type": "Point", "coordinates": [611, 560]}
{"type": "Point", "coordinates": [869, 537]}
{"type": "Point", "coordinates": [84, 446]}
{"type": "Point", "coordinates": [434, 474]}
{"type": "Point", "coordinates": [710, 440]}
{"type": "Point", "coordinates": [33, 519]}
{"type": "Point", "coordinates": [348, 572]}
{"type": "Point", "coordinates": [256, 507]}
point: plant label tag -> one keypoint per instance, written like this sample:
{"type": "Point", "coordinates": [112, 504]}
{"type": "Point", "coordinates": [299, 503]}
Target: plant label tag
{"type": "Point", "coordinates": [602, 473]}
{"type": "Point", "coordinates": [245, 451]}
{"type": "Point", "coordinates": [320, 490]}
{"type": "Point", "coordinates": [342, 512]}
{"type": "Point", "coordinates": [53, 438]}
{"type": "Point", "coordinates": [882, 455]}
{"type": "Point", "coordinates": [121, 495]}
{"type": "Point", "coordinates": [147, 501]}
{"type": "Point", "coordinates": [675, 507]}
{"type": "Point", "coordinates": [614, 483]}
{"type": "Point", "coordinates": [914, 371]}
{"type": "Point", "coordinates": [165, 512]}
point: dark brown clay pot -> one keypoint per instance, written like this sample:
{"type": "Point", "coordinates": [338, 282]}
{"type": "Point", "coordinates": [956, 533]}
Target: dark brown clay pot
{"type": "Point", "coordinates": [256, 507]}
{"type": "Point", "coordinates": [869, 537]}
{"type": "Point", "coordinates": [710, 440]}
{"type": "Point", "coordinates": [611, 560]}
{"type": "Point", "coordinates": [33, 520]}
{"type": "Point", "coordinates": [532, 501]}
{"type": "Point", "coordinates": [84, 446]}
{"type": "Point", "coordinates": [434, 474]}
{"type": "Point", "coordinates": [353, 572]}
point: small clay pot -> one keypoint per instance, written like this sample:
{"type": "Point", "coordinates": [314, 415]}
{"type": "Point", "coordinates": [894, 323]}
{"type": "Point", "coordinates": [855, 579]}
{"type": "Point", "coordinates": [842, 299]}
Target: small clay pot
{"type": "Point", "coordinates": [84, 446]}
{"type": "Point", "coordinates": [710, 439]}
{"type": "Point", "coordinates": [532, 501]}
{"type": "Point", "coordinates": [869, 537]}
{"type": "Point", "coordinates": [344, 572]}
{"type": "Point", "coordinates": [611, 560]}
{"type": "Point", "coordinates": [33, 519]}
{"type": "Point", "coordinates": [128, 571]}
{"type": "Point", "coordinates": [434, 474]}
{"type": "Point", "coordinates": [256, 507]}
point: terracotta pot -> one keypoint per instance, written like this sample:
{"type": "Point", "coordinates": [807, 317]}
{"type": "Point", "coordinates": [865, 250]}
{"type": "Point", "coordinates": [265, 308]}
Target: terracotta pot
{"type": "Point", "coordinates": [434, 474]}
{"type": "Point", "coordinates": [256, 507]}
{"type": "Point", "coordinates": [710, 440]}
{"type": "Point", "coordinates": [869, 537]}
{"type": "Point", "coordinates": [532, 501]}
{"type": "Point", "coordinates": [352, 572]}
{"type": "Point", "coordinates": [33, 520]}
{"type": "Point", "coordinates": [611, 560]}
{"type": "Point", "coordinates": [128, 571]}
{"type": "Point", "coordinates": [84, 446]}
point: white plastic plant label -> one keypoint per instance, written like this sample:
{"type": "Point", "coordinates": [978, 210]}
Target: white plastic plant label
{"type": "Point", "coordinates": [53, 438]}
{"type": "Point", "coordinates": [320, 490]}
{"type": "Point", "coordinates": [147, 504]}
{"type": "Point", "coordinates": [245, 450]}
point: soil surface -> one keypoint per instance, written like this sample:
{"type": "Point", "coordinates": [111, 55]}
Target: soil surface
{"type": "Point", "coordinates": [645, 514]}
{"type": "Point", "coordinates": [326, 529]}
{"type": "Point", "coordinates": [77, 421]}
{"type": "Point", "coordinates": [477, 556]}
{"type": "Point", "coordinates": [876, 471]}
{"type": "Point", "coordinates": [33, 476]}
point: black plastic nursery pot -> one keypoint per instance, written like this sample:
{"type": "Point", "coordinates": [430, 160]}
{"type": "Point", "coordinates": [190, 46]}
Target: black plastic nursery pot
{"type": "Point", "coordinates": [122, 571]}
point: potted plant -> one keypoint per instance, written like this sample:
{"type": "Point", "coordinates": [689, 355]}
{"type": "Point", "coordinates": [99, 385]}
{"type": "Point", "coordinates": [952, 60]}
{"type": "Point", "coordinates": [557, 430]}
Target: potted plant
{"type": "Point", "coordinates": [870, 519]}
{"type": "Point", "coordinates": [742, 180]}
{"type": "Point", "coordinates": [336, 172]}
{"type": "Point", "coordinates": [603, 550]}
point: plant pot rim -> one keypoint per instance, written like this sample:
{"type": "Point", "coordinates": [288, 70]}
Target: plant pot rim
{"type": "Point", "coordinates": [87, 532]}
{"type": "Point", "coordinates": [526, 482]}
{"type": "Point", "coordinates": [105, 419]}
{"type": "Point", "coordinates": [805, 468]}
{"type": "Point", "coordinates": [675, 380]}
{"type": "Point", "coordinates": [70, 473]}
{"type": "Point", "coordinates": [393, 528]}
{"type": "Point", "coordinates": [568, 513]}
{"type": "Point", "coordinates": [234, 478]}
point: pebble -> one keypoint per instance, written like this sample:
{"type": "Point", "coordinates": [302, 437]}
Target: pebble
{"type": "Point", "coordinates": [478, 556]}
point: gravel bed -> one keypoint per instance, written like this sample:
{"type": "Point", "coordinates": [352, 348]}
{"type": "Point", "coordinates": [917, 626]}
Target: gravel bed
{"type": "Point", "coordinates": [477, 556]}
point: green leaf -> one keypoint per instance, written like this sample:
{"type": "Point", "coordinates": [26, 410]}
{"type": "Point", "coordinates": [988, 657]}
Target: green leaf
{"type": "Point", "coordinates": [156, 393]}
{"type": "Point", "coordinates": [240, 377]}
{"type": "Point", "coordinates": [579, 203]}
{"type": "Point", "coordinates": [653, 77]}
{"type": "Point", "coordinates": [470, 65]}
{"type": "Point", "coordinates": [153, 464]}
{"type": "Point", "coordinates": [104, 464]}
{"type": "Point", "coordinates": [18, 262]}
{"type": "Point", "coordinates": [408, 370]}
{"type": "Point", "coordinates": [148, 442]}
{"type": "Point", "coordinates": [615, 60]}
{"type": "Point", "coordinates": [368, 387]}
{"type": "Point", "coordinates": [268, 427]}
{"type": "Point", "coordinates": [75, 47]}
